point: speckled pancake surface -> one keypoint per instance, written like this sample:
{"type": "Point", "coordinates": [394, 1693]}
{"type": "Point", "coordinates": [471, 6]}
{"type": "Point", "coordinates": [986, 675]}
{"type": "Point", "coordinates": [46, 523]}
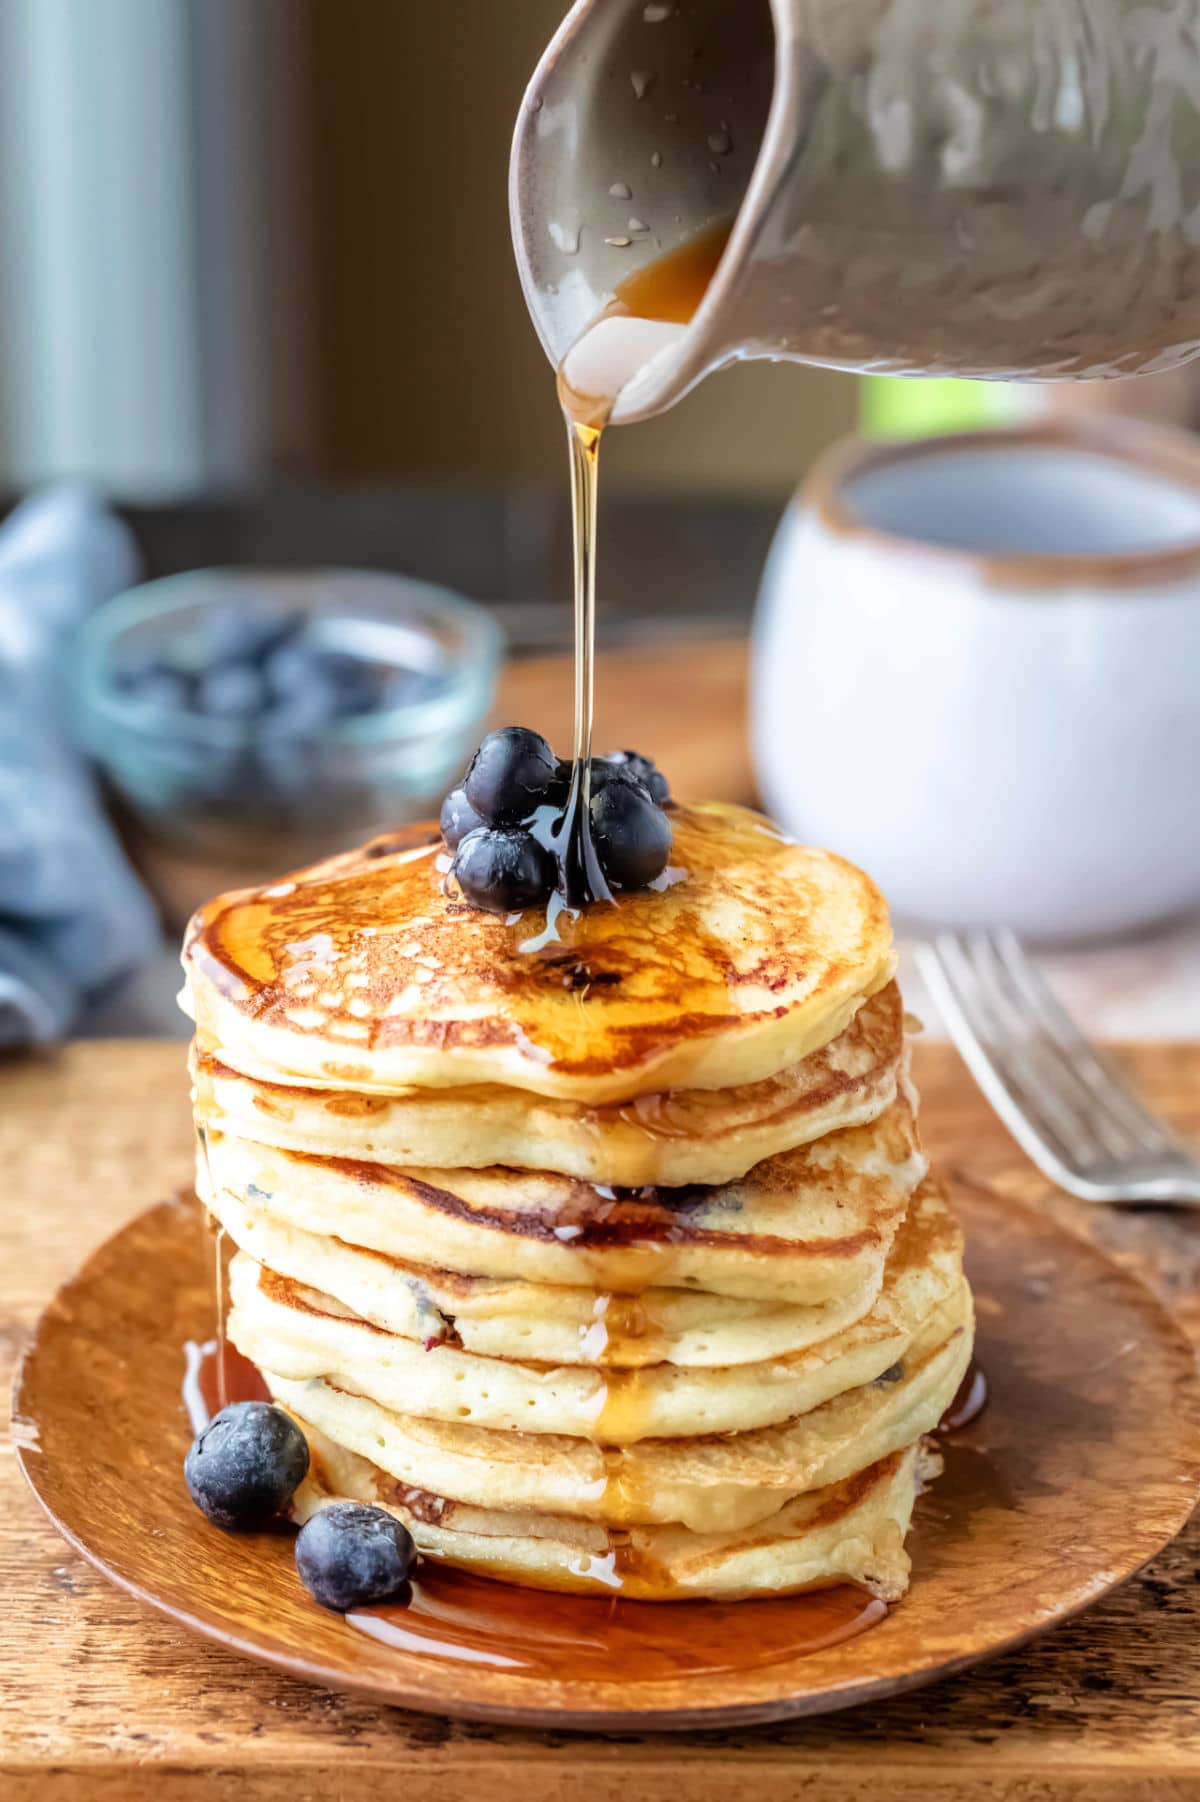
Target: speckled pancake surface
{"type": "Point", "coordinates": [686, 1136]}
{"type": "Point", "coordinates": [711, 1484]}
{"type": "Point", "coordinates": [547, 1323]}
{"type": "Point", "coordinates": [807, 1226]}
{"type": "Point", "coordinates": [300, 1334]}
{"type": "Point", "coordinates": [848, 1532]}
{"type": "Point", "coordinates": [368, 972]}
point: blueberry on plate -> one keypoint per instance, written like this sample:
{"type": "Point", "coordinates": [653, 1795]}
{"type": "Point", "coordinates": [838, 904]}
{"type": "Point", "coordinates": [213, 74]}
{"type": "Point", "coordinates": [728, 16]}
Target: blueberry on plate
{"type": "Point", "coordinates": [511, 773]}
{"type": "Point", "coordinates": [457, 818]}
{"type": "Point", "coordinates": [634, 764]}
{"type": "Point", "coordinates": [631, 833]}
{"type": "Point", "coordinates": [504, 871]}
{"type": "Point", "coordinates": [246, 1465]}
{"type": "Point", "coordinates": [349, 1554]}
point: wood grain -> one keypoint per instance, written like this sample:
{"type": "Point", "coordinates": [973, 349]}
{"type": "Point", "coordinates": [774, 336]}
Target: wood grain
{"type": "Point", "coordinates": [101, 1699]}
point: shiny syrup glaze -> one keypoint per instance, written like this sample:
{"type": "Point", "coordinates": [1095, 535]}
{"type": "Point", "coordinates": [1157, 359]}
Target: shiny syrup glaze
{"type": "Point", "coordinates": [452, 1614]}
{"type": "Point", "coordinates": [327, 954]}
{"type": "Point", "coordinates": [969, 1401]}
{"type": "Point", "coordinates": [216, 1374]}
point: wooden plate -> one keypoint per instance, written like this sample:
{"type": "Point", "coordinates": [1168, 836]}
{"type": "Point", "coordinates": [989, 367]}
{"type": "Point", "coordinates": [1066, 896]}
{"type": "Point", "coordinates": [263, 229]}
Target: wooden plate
{"type": "Point", "coordinates": [1085, 1463]}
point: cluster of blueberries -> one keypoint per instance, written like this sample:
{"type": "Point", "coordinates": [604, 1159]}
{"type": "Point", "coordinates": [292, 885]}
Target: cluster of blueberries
{"type": "Point", "coordinates": [243, 1470]}
{"type": "Point", "coordinates": [508, 827]}
{"type": "Point", "coordinates": [262, 664]}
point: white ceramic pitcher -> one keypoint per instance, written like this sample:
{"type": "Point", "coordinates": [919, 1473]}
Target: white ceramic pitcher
{"type": "Point", "coordinates": [1004, 188]}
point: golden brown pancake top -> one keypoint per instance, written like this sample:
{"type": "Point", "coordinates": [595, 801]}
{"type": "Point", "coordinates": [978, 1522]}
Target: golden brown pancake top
{"type": "Point", "coordinates": [369, 969]}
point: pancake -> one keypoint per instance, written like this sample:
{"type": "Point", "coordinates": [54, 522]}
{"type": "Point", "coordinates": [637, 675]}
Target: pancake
{"type": "Point", "coordinates": [689, 1136]}
{"type": "Point", "coordinates": [369, 973]}
{"type": "Point", "coordinates": [300, 1334]}
{"type": "Point", "coordinates": [507, 1318]}
{"type": "Point", "coordinates": [805, 1227]}
{"type": "Point", "coordinates": [849, 1532]}
{"type": "Point", "coordinates": [710, 1484]}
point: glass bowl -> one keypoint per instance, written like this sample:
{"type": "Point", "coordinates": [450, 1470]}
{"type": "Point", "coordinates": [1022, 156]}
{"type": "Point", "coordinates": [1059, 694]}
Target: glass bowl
{"type": "Point", "coordinates": [272, 779]}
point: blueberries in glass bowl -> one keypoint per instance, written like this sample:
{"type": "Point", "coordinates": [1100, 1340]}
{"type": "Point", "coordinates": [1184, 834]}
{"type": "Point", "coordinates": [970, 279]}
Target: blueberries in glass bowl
{"type": "Point", "coordinates": [267, 665]}
{"type": "Point", "coordinates": [261, 719]}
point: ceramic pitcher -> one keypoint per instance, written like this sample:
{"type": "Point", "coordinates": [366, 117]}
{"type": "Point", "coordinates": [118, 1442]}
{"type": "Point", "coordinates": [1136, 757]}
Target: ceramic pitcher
{"type": "Point", "coordinates": [1005, 188]}
{"type": "Point", "coordinates": [975, 672]}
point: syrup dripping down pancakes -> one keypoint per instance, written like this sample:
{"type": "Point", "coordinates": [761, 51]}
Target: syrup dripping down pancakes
{"type": "Point", "coordinates": [613, 1265]}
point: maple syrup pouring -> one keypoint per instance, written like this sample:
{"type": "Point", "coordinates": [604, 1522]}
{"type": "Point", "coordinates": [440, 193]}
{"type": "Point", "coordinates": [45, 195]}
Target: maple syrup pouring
{"type": "Point", "coordinates": [668, 291]}
{"type": "Point", "coordinates": [215, 1376]}
{"type": "Point", "coordinates": [583, 880]}
{"type": "Point", "coordinates": [215, 1373]}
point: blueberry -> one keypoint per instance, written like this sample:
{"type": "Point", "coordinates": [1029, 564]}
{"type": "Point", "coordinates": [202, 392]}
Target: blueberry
{"type": "Point", "coordinates": [289, 667]}
{"type": "Point", "coordinates": [633, 763]}
{"type": "Point", "coordinates": [560, 787]}
{"type": "Point", "coordinates": [357, 683]}
{"type": "Point", "coordinates": [246, 1465]}
{"type": "Point", "coordinates": [231, 691]}
{"type": "Point", "coordinates": [504, 872]}
{"type": "Point", "coordinates": [304, 696]}
{"type": "Point", "coordinates": [248, 630]}
{"type": "Point", "coordinates": [163, 688]}
{"type": "Point", "coordinates": [510, 774]}
{"type": "Point", "coordinates": [457, 818]}
{"type": "Point", "coordinates": [348, 1554]}
{"type": "Point", "coordinates": [631, 833]}
{"type": "Point", "coordinates": [605, 771]}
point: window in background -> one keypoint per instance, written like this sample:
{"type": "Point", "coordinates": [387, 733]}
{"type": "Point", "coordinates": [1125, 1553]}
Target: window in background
{"type": "Point", "coordinates": [152, 332]}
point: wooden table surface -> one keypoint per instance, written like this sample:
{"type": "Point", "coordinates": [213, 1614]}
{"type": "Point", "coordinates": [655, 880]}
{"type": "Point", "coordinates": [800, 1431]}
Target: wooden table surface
{"type": "Point", "coordinates": [104, 1701]}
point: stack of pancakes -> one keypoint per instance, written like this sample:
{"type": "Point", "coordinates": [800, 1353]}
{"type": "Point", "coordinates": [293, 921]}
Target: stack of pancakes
{"type": "Point", "coordinates": [607, 1260]}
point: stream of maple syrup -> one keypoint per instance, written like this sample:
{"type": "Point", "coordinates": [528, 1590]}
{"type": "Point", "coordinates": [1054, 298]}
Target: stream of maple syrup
{"type": "Point", "coordinates": [590, 377]}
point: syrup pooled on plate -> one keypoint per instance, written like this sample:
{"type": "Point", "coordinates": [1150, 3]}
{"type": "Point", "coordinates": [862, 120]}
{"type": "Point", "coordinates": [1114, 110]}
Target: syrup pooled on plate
{"type": "Point", "coordinates": [968, 1404]}
{"type": "Point", "coordinates": [456, 1615]}
{"type": "Point", "coordinates": [453, 1615]}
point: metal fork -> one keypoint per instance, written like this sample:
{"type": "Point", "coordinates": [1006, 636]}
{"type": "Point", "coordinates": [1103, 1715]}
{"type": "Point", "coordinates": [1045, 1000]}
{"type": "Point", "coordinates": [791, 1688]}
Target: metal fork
{"type": "Point", "coordinates": [1063, 1101]}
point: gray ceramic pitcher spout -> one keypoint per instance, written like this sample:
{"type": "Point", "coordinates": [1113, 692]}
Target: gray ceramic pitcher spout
{"type": "Point", "coordinates": [1004, 188]}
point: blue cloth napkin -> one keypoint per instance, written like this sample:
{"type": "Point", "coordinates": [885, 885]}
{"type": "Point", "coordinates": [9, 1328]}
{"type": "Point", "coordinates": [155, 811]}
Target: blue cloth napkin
{"type": "Point", "coordinates": [73, 917]}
